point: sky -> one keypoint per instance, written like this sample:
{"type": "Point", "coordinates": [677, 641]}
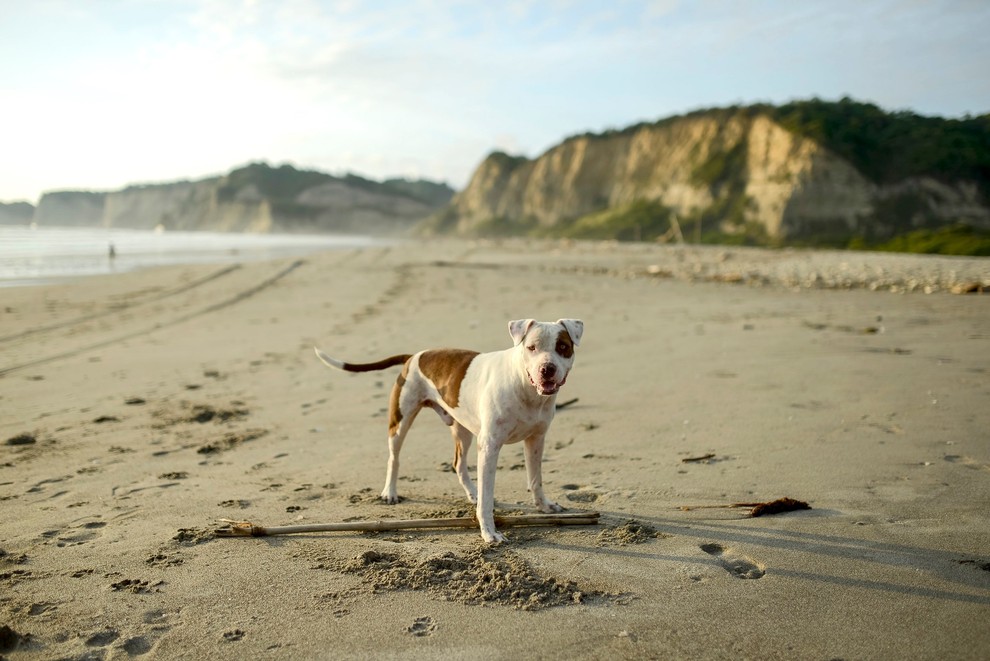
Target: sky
{"type": "Point", "coordinates": [101, 94]}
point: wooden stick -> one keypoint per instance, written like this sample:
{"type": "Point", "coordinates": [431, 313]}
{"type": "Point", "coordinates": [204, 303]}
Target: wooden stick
{"type": "Point", "coordinates": [688, 508]}
{"type": "Point", "coordinates": [704, 457]}
{"type": "Point", "coordinates": [248, 529]}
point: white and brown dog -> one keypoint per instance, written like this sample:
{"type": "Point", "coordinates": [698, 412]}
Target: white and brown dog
{"type": "Point", "coordinates": [499, 397]}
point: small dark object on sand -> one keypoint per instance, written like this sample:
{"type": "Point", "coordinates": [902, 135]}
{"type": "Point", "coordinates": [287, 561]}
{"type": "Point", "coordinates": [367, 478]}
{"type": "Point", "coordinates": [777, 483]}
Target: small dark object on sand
{"type": "Point", "coordinates": [704, 457]}
{"type": "Point", "coordinates": [566, 404]}
{"type": "Point", "coordinates": [778, 506]}
{"type": "Point", "coordinates": [22, 439]}
{"type": "Point", "coordinates": [758, 509]}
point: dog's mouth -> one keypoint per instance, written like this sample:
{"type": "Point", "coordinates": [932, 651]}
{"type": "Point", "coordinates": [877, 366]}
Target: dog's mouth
{"type": "Point", "coordinates": [546, 387]}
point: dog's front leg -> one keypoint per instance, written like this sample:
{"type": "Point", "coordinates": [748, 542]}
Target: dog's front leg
{"type": "Point", "coordinates": [534, 471]}
{"type": "Point", "coordinates": [488, 449]}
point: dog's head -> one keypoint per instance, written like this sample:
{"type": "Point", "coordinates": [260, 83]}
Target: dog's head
{"type": "Point", "coordinates": [547, 350]}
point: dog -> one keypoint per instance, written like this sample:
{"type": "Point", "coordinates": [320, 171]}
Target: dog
{"type": "Point", "coordinates": [499, 397]}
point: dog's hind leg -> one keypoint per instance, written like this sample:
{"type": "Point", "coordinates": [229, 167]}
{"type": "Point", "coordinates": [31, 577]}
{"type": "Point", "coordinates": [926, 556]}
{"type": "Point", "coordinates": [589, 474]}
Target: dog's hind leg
{"type": "Point", "coordinates": [402, 412]}
{"type": "Point", "coordinates": [462, 443]}
{"type": "Point", "coordinates": [395, 438]}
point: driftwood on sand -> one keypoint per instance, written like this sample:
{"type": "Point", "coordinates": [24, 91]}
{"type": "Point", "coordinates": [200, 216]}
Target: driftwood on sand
{"type": "Point", "coordinates": [758, 509]}
{"type": "Point", "coordinates": [248, 529]}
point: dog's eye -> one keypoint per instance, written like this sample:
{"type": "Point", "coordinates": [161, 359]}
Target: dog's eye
{"type": "Point", "coordinates": [531, 348]}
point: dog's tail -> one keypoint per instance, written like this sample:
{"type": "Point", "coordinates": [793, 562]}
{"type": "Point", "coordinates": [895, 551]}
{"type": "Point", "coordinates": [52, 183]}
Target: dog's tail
{"type": "Point", "coordinates": [362, 367]}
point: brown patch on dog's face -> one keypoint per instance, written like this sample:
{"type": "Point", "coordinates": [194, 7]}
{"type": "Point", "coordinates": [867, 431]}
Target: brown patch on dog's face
{"type": "Point", "coordinates": [446, 368]}
{"type": "Point", "coordinates": [394, 413]}
{"type": "Point", "coordinates": [548, 355]}
{"type": "Point", "coordinates": [565, 345]}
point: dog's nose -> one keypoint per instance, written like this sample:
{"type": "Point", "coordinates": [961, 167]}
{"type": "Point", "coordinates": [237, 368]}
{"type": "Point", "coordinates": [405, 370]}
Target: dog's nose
{"type": "Point", "coordinates": [548, 371]}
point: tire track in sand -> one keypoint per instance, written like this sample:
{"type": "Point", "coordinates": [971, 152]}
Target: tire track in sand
{"type": "Point", "coordinates": [225, 303]}
{"type": "Point", "coordinates": [125, 306]}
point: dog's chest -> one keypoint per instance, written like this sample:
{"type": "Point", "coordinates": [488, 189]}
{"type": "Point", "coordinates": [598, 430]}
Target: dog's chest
{"type": "Point", "coordinates": [518, 425]}
{"type": "Point", "coordinates": [495, 397]}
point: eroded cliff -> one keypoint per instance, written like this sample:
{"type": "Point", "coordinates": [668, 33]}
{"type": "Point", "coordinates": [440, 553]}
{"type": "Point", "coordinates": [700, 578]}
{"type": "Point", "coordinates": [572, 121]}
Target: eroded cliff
{"type": "Point", "coordinates": [256, 198]}
{"type": "Point", "coordinates": [733, 172]}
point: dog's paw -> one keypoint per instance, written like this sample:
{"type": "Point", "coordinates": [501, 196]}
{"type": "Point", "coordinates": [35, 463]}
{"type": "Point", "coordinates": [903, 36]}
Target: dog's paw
{"type": "Point", "coordinates": [389, 498]}
{"type": "Point", "coordinates": [492, 536]}
{"type": "Point", "coordinates": [550, 507]}
{"type": "Point", "coordinates": [471, 492]}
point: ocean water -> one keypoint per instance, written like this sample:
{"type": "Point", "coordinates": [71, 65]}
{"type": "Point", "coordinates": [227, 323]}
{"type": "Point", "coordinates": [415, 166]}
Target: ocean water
{"type": "Point", "coordinates": [50, 254]}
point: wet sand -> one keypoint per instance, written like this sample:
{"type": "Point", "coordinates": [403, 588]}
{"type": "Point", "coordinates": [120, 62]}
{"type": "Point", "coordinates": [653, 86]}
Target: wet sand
{"type": "Point", "coordinates": [138, 410]}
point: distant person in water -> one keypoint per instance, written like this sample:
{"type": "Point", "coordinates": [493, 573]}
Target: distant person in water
{"type": "Point", "coordinates": [113, 252]}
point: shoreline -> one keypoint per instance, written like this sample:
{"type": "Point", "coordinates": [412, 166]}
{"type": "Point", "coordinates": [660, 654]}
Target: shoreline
{"type": "Point", "coordinates": [57, 255]}
{"type": "Point", "coordinates": [146, 408]}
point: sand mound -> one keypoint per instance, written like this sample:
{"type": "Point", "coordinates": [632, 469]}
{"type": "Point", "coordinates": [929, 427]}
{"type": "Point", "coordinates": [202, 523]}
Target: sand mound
{"type": "Point", "coordinates": [487, 576]}
{"type": "Point", "coordinates": [630, 532]}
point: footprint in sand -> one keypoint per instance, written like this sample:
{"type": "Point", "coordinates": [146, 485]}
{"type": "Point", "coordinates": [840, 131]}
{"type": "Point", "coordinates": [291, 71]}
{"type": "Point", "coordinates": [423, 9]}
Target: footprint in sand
{"type": "Point", "coordinates": [83, 534]}
{"type": "Point", "coordinates": [968, 462]}
{"type": "Point", "coordinates": [43, 485]}
{"type": "Point", "coordinates": [579, 494]}
{"type": "Point", "coordinates": [41, 608]}
{"type": "Point", "coordinates": [138, 645]}
{"type": "Point", "coordinates": [164, 559]}
{"type": "Point", "coordinates": [738, 565]}
{"type": "Point", "coordinates": [102, 638]}
{"type": "Point", "coordinates": [422, 626]}
{"type": "Point", "coordinates": [144, 643]}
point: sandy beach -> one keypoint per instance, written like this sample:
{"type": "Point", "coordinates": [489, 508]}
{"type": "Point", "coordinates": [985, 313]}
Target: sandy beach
{"type": "Point", "coordinates": [138, 410]}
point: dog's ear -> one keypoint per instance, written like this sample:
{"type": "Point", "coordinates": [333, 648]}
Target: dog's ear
{"type": "Point", "coordinates": [574, 328]}
{"type": "Point", "coordinates": [519, 328]}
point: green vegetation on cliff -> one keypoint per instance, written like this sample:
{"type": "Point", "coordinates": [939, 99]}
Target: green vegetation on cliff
{"type": "Point", "coordinates": [954, 240]}
{"type": "Point", "coordinates": [889, 147]}
{"type": "Point", "coordinates": [285, 182]}
{"type": "Point", "coordinates": [428, 192]}
{"type": "Point", "coordinates": [16, 213]}
{"type": "Point", "coordinates": [640, 221]}
{"type": "Point", "coordinates": [281, 183]}
{"type": "Point", "coordinates": [885, 147]}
